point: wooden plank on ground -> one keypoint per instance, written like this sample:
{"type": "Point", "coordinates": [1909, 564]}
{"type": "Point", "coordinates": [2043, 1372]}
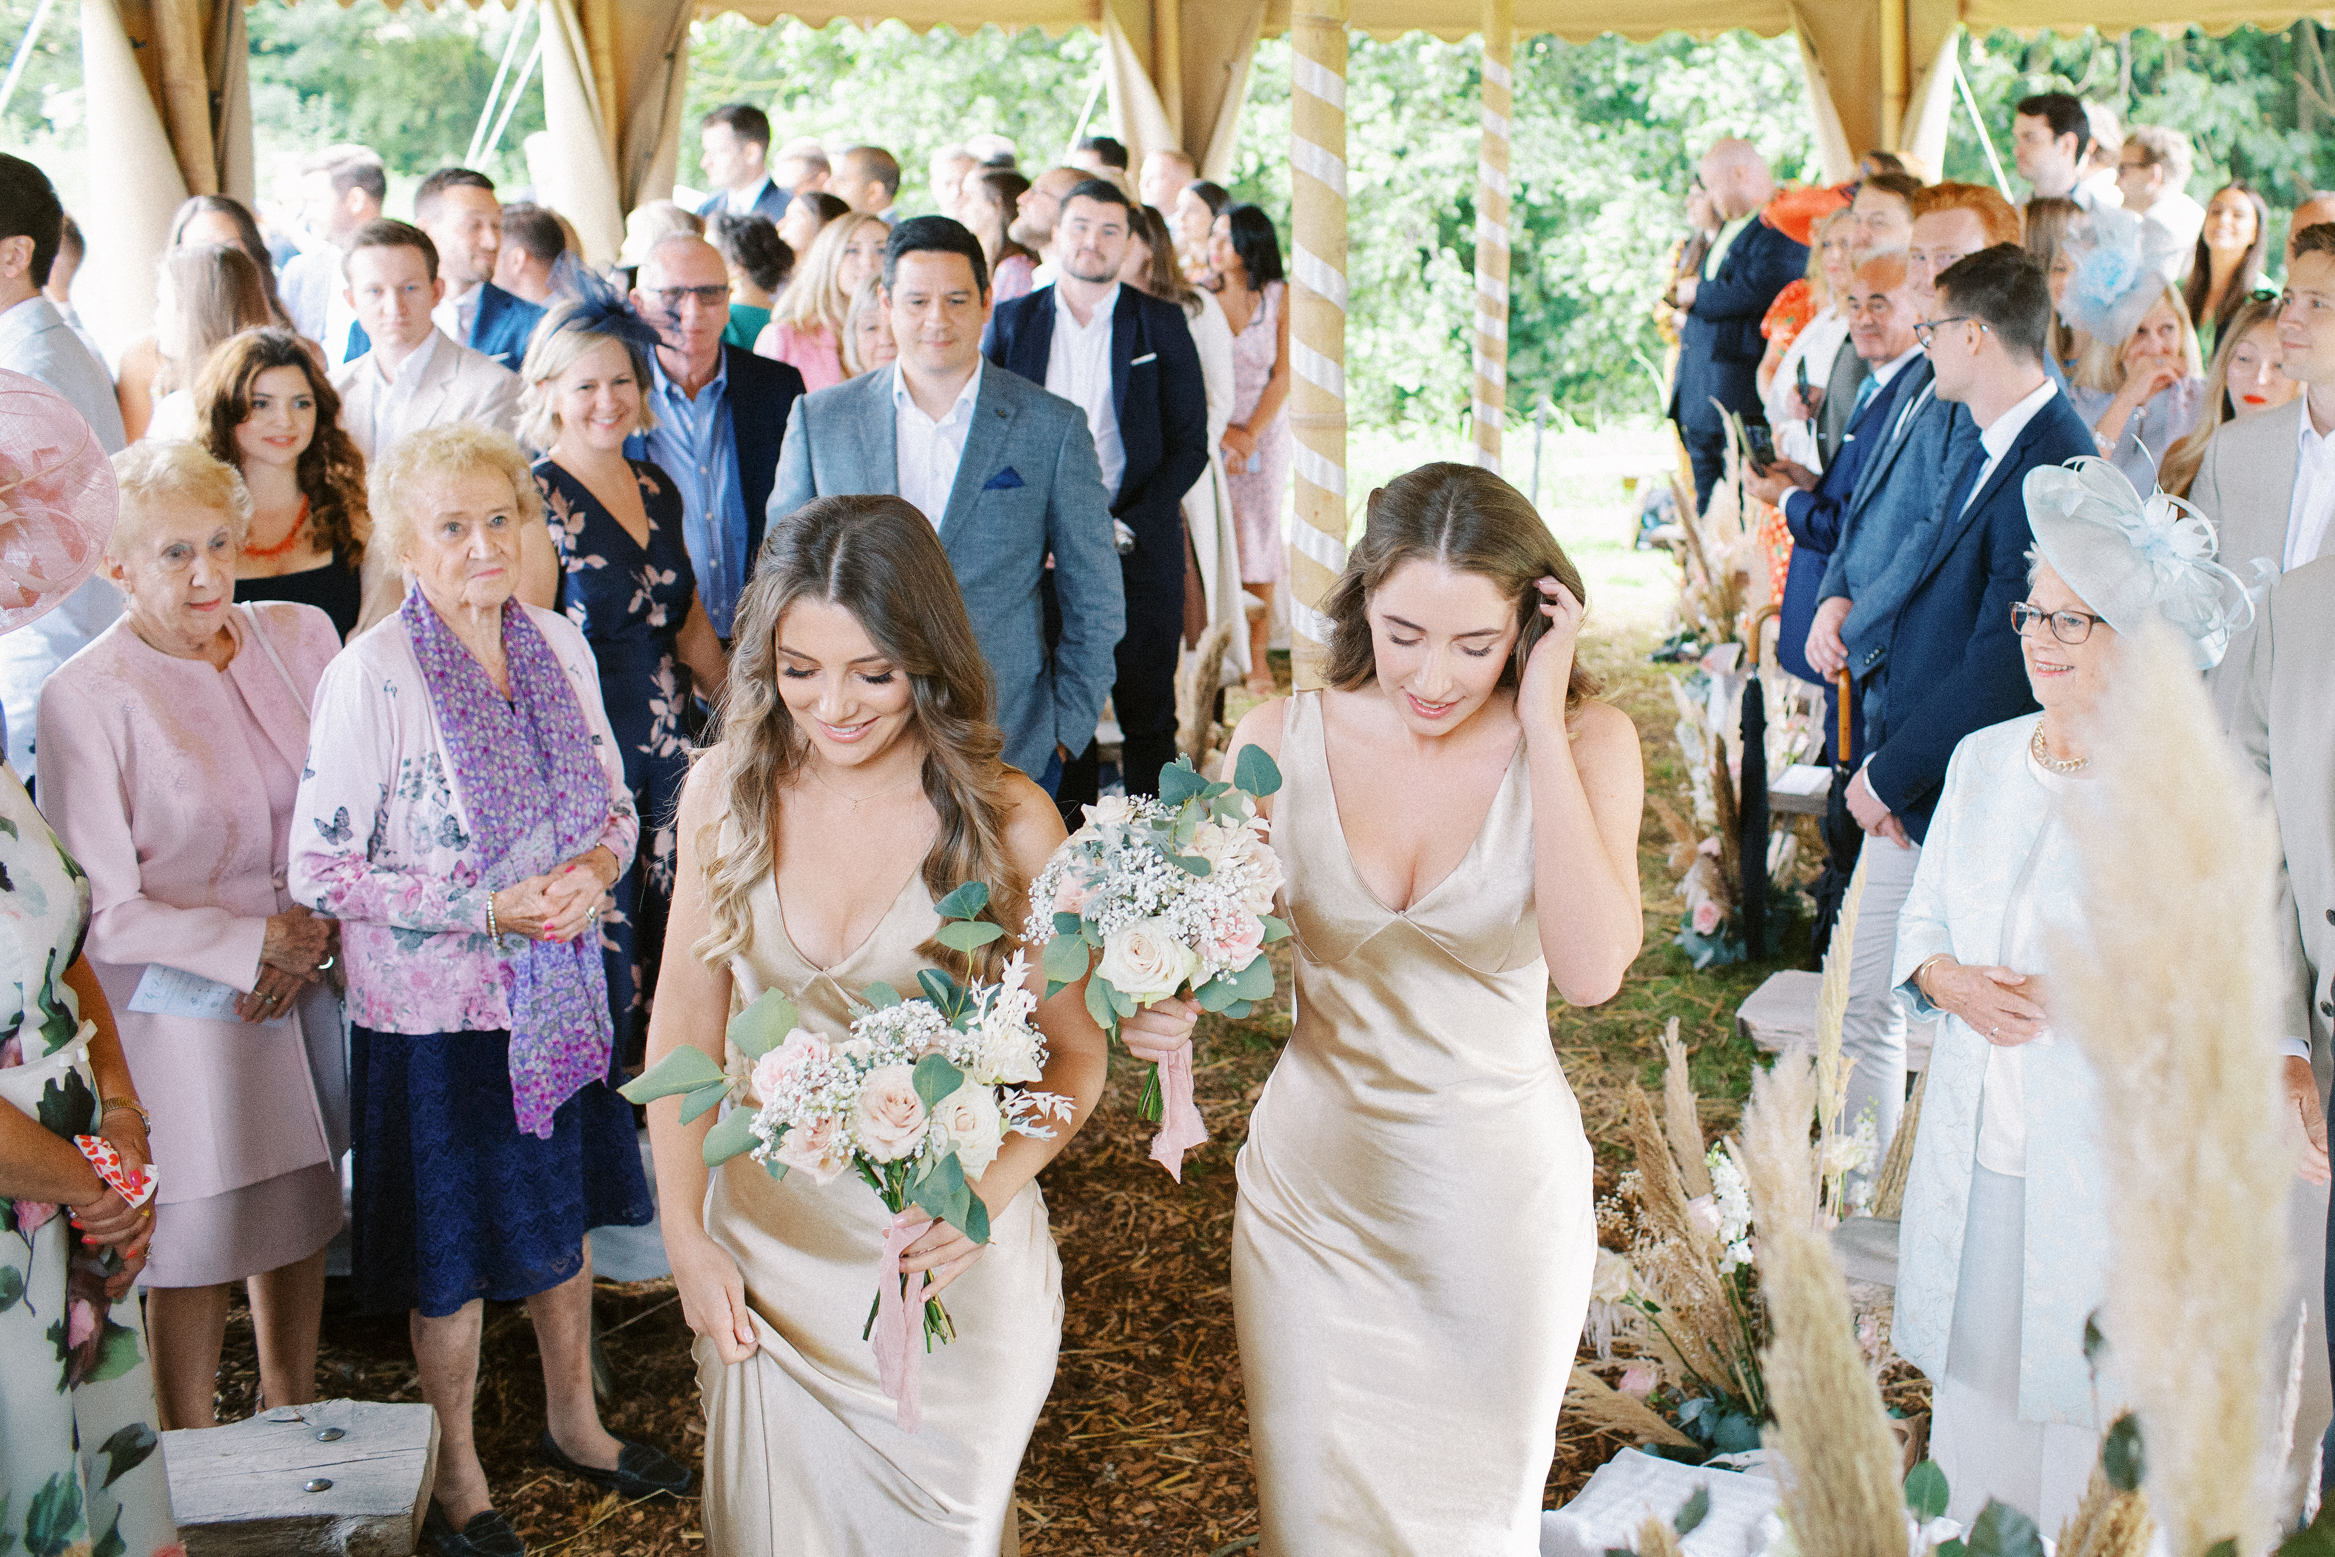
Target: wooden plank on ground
{"type": "Point", "coordinates": [244, 1488]}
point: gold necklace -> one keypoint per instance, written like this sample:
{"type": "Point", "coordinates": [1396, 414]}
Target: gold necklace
{"type": "Point", "coordinates": [913, 778]}
{"type": "Point", "coordinates": [2054, 764]}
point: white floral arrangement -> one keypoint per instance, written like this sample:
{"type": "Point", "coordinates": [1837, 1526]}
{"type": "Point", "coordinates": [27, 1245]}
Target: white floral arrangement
{"type": "Point", "coordinates": [1170, 894]}
{"type": "Point", "coordinates": [917, 1098]}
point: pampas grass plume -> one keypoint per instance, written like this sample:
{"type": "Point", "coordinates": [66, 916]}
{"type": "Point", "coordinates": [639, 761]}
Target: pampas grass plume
{"type": "Point", "coordinates": [1832, 1006]}
{"type": "Point", "coordinates": [2169, 990]}
{"type": "Point", "coordinates": [2108, 1523]}
{"type": "Point", "coordinates": [1682, 1115]}
{"type": "Point", "coordinates": [1589, 1399]}
{"type": "Point", "coordinates": [1841, 1460]}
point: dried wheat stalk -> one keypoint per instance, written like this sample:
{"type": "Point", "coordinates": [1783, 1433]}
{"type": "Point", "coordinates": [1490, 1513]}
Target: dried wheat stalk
{"type": "Point", "coordinates": [1897, 1167]}
{"type": "Point", "coordinates": [1841, 1493]}
{"type": "Point", "coordinates": [1682, 1115]}
{"type": "Point", "coordinates": [1697, 1335]}
{"type": "Point", "coordinates": [2108, 1523]}
{"type": "Point", "coordinates": [1832, 1005]}
{"type": "Point", "coordinates": [1590, 1400]}
{"type": "Point", "coordinates": [2169, 991]}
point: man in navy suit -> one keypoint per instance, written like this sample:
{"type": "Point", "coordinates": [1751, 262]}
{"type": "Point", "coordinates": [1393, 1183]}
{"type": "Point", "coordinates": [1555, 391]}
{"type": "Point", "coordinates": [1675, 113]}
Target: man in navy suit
{"type": "Point", "coordinates": [1946, 661]}
{"type": "Point", "coordinates": [459, 211]}
{"type": "Point", "coordinates": [1719, 343]}
{"type": "Point", "coordinates": [1127, 360]}
{"type": "Point", "coordinates": [734, 149]}
{"type": "Point", "coordinates": [721, 417]}
{"type": "Point", "coordinates": [1881, 312]}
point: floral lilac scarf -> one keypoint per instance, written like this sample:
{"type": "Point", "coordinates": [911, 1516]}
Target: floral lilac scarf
{"type": "Point", "coordinates": [536, 795]}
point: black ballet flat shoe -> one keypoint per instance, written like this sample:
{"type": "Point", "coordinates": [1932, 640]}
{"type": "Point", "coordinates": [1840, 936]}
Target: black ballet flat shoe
{"type": "Point", "coordinates": [641, 1472]}
{"type": "Point", "coordinates": [487, 1535]}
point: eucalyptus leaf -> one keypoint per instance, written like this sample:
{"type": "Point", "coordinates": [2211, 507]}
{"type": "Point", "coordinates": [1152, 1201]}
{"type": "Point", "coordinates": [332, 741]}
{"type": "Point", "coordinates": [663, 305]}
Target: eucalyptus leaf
{"type": "Point", "coordinates": [1736, 1433]}
{"type": "Point", "coordinates": [1066, 924]}
{"type": "Point", "coordinates": [1239, 1010]}
{"type": "Point", "coordinates": [2123, 1459]}
{"type": "Point", "coordinates": [1179, 783]}
{"type": "Point", "coordinates": [684, 1070]}
{"type": "Point", "coordinates": [2002, 1531]}
{"type": "Point", "coordinates": [1275, 929]}
{"type": "Point", "coordinates": [966, 935]}
{"type": "Point", "coordinates": [1693, 1511]}
{"type": "Point", "coordinates": [938, 987]}
{"type": "Point", "coordinates": [976, 1223]}
{"type": "Point", "coordinates": [763, 1025]}
{"type": "Point", "coordinates": [966, 902]}
{"type": "Point", "coordinates": [1216, 994]}
{"type": "Point", "coordinates": [939, 1188]}
{"type": "Point", "coordinates": [1192, 865]}
{"type": "Point", "coordinates": [1065, 959]}
{"type": "Point", "coordinates": [1124, 1004]}
{"type": "Point", "coordinates": [1255, 982]}
{"type": "Point", "coordinates": [881, 996]}
{"type": "Point", "coordinates": [731, 1137]}
{"type": "Point", "coordinates": [1256, 771]}
{"type": "Point", "coordinates": [702, 1101]}
{"type": "Point", "coordinates": [1925, 1491]}
{"type": "Point", "coordinates": [1098, 1004]}
{"type": "Point", "coordinates": [773, 1167]}
{"type": "Point", "coordinates": [936, 1078]}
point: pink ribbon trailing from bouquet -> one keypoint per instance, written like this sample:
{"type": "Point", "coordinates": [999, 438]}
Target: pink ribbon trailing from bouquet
{"type": "Point", "coordinates": [1180, 1125]}
{"type": "Point", "coordinates": [898, 1330]}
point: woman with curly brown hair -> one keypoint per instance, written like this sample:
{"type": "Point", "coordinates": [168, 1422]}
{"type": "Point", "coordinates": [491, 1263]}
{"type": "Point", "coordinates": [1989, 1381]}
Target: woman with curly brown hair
{"type": "Point", "coordinates": [263, 407]}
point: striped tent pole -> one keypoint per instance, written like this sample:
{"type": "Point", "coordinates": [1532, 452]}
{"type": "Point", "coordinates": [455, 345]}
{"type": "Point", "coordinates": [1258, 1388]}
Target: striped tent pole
{"type": "Point", "coordinates": [1317, 347]}
{"type": "Point", "coordinates": [1491, 354]}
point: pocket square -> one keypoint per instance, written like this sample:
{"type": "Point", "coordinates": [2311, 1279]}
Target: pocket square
{"type": "Point", "coordinates": [1004, 481]}
{"type": "Point", "coordinates": [1149, 356]}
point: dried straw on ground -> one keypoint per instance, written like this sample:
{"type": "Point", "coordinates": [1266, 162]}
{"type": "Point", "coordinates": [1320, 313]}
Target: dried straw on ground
{"type": "Point", "coordinates": [1841, 1484]}
{"type": "Point", "coordinates": [2169, 990]}
{"type": "Point", "coordinates": [1682, 1115]}
{"type": "Point", "coordinates": [1590, 1401]}
{"type": "Point", "coordinates": [2108, 1523]}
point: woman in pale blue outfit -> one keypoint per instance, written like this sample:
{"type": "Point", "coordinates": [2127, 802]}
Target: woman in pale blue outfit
{"type": "Point", "coordinates": [2003, 1249]}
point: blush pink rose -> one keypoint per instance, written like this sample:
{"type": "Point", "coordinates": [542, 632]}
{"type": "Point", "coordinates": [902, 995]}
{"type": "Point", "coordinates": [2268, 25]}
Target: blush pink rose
{"type": "Point", "coordinates": [890, 1118]}
{"type": "Point", "coordinates": [1234, 943]}
{"type": "Point", "coordinates": [789, 1060]}
{"type": "Point", "coordinates": [1072, 896]}
{"type": "Point", "coordinates": [1706, 917]}
{"type": "Point", "coordinates": [1638, 1380]}
{"type": "Point", "coordinates": [818, 1148]}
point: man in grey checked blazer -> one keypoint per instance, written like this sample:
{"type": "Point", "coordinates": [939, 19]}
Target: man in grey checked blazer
{"type": "Point", "coordinates": [1005, 471]}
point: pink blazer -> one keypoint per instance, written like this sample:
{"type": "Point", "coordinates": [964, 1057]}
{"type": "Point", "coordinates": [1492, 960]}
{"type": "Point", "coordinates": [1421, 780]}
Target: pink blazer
{"type": "Point", "coordinates": [146, 775]}
{"type": "Point", "coordinates": [812, 353]}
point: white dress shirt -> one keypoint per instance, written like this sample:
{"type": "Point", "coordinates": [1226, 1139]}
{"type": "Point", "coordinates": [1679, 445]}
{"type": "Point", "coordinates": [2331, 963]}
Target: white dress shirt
{"type": "Point", "coordinates": [391, 406]}
{"type": "Point", "coordinates": [929, 451]}
{"type": "Point", "coordinates": [2314, 494]}
{"type": "Point", "coordinates": [2004, 431]}
{"type": "Point", "coordinates": [455, 315]}
{"type": "Point", "coordinates": [1078, 368]}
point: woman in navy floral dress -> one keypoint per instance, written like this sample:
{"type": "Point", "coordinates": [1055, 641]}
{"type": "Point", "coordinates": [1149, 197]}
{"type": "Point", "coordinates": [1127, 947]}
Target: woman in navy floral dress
{"type": "Point", "coordinates": [628, 585]}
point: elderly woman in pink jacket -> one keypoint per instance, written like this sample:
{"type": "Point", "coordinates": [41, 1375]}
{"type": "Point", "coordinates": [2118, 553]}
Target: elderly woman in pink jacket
{"type": "Point", "coordinates": [171, 750]}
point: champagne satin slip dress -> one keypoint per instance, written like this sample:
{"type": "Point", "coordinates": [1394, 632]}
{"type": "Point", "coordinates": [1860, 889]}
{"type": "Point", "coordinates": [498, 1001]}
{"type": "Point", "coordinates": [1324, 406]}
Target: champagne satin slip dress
{"type": "Point", "coordinates": [802, 1456]}
{"type": "Point", "coordinates": [1414, 1237]}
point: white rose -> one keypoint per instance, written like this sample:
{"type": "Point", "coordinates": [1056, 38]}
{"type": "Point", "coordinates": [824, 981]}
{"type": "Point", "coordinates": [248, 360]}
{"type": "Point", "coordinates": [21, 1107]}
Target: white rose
{"type": "Point", "coordinates": [1145, 962]}
{"type": "Point", "coordinates": [1109, 810]}
{"type": "Point", "coordinates": [1611, 1281]}
{"type": "Point", "coordinates": [889, 1118]}
{"type": "Point", "coordinates": [968, 1122]}
{"type": "Point", "coordinates": [1216, 844]}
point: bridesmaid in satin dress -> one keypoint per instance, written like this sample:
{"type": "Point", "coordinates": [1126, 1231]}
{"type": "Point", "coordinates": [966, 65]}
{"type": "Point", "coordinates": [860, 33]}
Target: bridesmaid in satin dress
{"type": "Point", "coordinates": [858, 782]}
{"type": "Point", "coordinates": [1413, 1239]}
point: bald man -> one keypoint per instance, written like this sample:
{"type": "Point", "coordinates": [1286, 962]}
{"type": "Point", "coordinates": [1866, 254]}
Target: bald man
{"type": "Point", "coordinates": [1719, 341]}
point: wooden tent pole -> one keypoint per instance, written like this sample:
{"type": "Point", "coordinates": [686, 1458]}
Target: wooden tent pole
{"type": "Point", "coordinates": [1317, 348]}
{"type": "Point", "coordinates": [1491, 355]}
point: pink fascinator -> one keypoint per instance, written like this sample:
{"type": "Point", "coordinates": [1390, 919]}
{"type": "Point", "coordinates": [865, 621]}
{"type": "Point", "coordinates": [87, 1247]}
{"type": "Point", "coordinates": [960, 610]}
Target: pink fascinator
{"type": "Point", "coordinates": [57, 499]}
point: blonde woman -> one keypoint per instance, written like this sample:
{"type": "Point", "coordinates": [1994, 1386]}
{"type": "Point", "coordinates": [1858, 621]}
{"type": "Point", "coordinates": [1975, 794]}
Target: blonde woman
{"type": "Point", "coordinates": [628, 583]}
{"type": "Point", "coordinates": [867, 330]}
{"type": "Point", "coordinates": [2142, 391]}
{"type": "Point", "coordinates": [2248, 370]}
{"type": "Point", "coordinates": [808, 322]}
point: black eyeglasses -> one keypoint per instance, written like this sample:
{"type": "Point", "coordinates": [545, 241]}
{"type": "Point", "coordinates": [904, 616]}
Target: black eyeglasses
{"type": "Point", "coordinates": [670, 298]}
{"type": "Point", "coordinates": [2069, 627]}
{"type": "Point", "coordinates": [1924, 330]}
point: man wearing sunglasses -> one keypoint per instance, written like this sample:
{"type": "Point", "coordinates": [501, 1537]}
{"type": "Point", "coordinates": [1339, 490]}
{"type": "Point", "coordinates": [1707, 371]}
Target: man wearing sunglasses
{"type": "Point", "coordinates": [1946, 661]}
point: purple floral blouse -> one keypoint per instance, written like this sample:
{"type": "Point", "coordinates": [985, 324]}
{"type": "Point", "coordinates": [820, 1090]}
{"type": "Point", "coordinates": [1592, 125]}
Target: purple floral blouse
{"type": "Point", "coordinates": [381, 841]}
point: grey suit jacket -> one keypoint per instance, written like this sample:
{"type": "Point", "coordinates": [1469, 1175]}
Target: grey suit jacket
{"type": "Point", "coordinates": [2246, 486]}
{"type": "Point", "coordinates": [457, 385]}
{"type": "Point", "coordinates": [2285, 722]}
{"type": "Point", "coordinates": [1028, 485]}
{"type": "Point", "coordinates": [36, 340]}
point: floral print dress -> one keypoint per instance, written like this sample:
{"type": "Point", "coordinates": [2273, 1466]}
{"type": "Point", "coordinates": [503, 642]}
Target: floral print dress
{"type": "Point", "coordinates": [630, 601]}
{"type": "Point", "coordinates": [80, 1463]}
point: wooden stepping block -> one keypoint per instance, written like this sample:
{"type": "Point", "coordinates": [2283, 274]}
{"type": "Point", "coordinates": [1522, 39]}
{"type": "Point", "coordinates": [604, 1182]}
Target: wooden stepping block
{"type": "Point", "coordinates": [340, 1477]}
{"type": "Point", "coordinates": [1867, 1248]}
{"type": "Point", "coordinates": [1780, 1016]}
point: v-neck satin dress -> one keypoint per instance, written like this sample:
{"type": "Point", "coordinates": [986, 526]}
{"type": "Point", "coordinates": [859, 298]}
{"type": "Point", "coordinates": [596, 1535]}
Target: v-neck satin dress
{"type": "Point", "coordinates": [1414, 1236]}
{"type": "Point", "coordinates": [803, 1457]}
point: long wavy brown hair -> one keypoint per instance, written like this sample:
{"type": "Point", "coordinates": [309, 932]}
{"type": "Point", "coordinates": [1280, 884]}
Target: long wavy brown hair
{"type": "Point", "coordinates": [330, 471]}
{"type": "Point", "coordinates": [1470, 521]}
{"type": "Point", "coordinates": [878, 558]}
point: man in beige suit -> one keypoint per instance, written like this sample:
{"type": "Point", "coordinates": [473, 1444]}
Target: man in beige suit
{"type": "Point", "coordinates": [2285, 722]}
{"type": "Point", "coordinates": [2268, 482]}
{"type": "Point", "coordinates": [414, 376]}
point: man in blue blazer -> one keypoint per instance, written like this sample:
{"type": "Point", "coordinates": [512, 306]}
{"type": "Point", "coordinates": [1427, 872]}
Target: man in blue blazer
{"type": "Point", "coordinates": [1719, 344]}
{"type": "Point", "coordinates": [734, 149]}
{"type": "Point", "coordinates": [1006, 472]}
{"type": "Point", "coordinates": [458, 209]}
{"type": "Point", "coordinates": [1946, 662]}
{"type": "Point", "coordinates": [1126, 359]}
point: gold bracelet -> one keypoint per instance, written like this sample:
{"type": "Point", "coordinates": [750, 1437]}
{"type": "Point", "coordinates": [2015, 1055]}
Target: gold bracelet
{"type": "Point", "coordinates": [1928, 963]}
{"type": "Point", "coordinates": [115, 1105]}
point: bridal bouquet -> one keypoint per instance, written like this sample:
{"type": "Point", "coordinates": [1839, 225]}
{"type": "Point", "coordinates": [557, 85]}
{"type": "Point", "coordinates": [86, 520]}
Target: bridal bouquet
{"type": "Point", "coordinates": [1171, 894]}
{"type": "Point", "coordinates": [917, 1100]}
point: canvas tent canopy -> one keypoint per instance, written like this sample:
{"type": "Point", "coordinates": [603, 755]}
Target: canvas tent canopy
{"type": "Point", "coordinates": [168, 110]}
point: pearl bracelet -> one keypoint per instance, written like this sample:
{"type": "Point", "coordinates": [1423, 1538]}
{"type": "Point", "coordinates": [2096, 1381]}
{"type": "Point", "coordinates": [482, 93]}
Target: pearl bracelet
{"type": "Point", "coordinates": [493, 931]}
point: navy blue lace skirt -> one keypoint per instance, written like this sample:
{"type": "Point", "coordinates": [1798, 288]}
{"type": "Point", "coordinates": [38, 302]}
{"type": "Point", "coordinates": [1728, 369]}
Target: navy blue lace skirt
{"type": "Point", "coordinates": [453, 1202]}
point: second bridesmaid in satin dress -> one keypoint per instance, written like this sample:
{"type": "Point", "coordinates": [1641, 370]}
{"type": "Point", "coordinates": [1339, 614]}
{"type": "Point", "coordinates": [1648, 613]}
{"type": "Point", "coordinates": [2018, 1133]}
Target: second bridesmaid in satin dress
{"type": "Point", "coordinates": [858, 782]}
{"type": "Point", "coordinates": [1414, 1235]}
